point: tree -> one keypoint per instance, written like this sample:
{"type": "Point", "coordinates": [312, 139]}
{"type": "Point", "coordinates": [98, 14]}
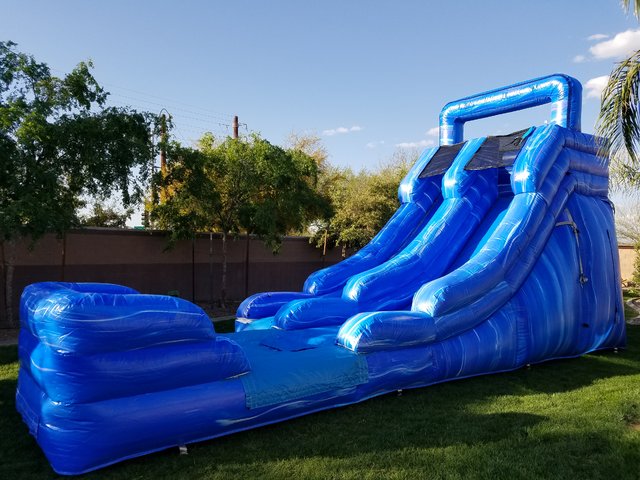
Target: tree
{"type": "Point", "coordinates": [362, 202]}
{"type": "Point", "coordinates": [237, 185]}
{"type": "Point", "coordinates": [310, 145]}
{"type": "Point", "coordinates": [619, 123]}
{"type": "Point", "coordinates": [618, 120]}
{"type": "Point", "coordinates": [58, 144]}
{"type": "Point", "coordinates": [106, 215]}
{"type": "Point", "coordinates": [628, 225]}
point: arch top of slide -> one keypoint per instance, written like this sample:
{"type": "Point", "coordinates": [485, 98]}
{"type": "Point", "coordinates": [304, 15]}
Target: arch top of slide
{"type": "Point", "coordinates": [560, 90]}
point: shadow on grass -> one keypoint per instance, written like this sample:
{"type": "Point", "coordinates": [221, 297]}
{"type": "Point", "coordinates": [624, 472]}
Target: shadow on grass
{"type": "Point", "coordinates": [588, 454]}
{"type": "Point", "coordinates": [354, 433]}
{"type": "Point", "coordinates": [430, 430]}
{"type": "Point", "coordinates": [8, 354]}
{"type": "Point", "coordinates": [426, 433]}
{"type": "Point", "coordinates": [433, 419]}
{"type": "Point", "coordinates": [20, 455]}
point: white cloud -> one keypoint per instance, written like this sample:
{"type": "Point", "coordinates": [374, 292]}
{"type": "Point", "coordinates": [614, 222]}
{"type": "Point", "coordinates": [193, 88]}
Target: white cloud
{"type": "Point", "coordinates": [335, 131]}
{"type": "Point", "coordinates": [427, 142]}
{"type": "Point", "coordinates": [579, 59]}
{"type": "Point", "coordinates": [421, 143]}
{"type": "Point", "coordinates": [597, 36]}
{"type": "Point", "coordinates": [595, 86]}
{"type": "Point", "coordinates": [622, 44]}
{"type": "Point", "coordinates": [375, 144]}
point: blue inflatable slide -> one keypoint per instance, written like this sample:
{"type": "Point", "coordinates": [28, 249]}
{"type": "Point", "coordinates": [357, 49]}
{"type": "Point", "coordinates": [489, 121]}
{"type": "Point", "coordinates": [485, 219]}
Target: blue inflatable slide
{"type": "Point", "coordinates": [503, 253]}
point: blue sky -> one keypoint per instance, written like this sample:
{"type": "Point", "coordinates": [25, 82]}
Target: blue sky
{"type": "Point", "coordinates": [369, 77]}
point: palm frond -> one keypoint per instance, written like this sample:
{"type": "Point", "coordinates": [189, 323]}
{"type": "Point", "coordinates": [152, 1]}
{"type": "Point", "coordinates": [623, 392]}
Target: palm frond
{"type": "Point", "coordinates": [619, 120]}
{"type": "Point", "coordinates": [627, 4]}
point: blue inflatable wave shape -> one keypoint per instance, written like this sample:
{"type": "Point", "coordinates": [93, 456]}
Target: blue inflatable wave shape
{"type": "Point", "coordinates": [492, 269]}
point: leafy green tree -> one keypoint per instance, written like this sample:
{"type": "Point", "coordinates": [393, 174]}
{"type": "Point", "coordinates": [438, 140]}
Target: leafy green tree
{"type": "Point", "coordinates": [362, 202]}
{"type": "Point", "coordinates": [619, 120]}
{"type": "Point", "coordinates": [310, 145]}
{"type": "Point", "coordinates": [106, 215]}
{"type": "Point", "coordinates": [58, 144]}
{"type": "Point", "coordinates": [333, 183]}
{"type": "Point", "coordinates": [237, 185]}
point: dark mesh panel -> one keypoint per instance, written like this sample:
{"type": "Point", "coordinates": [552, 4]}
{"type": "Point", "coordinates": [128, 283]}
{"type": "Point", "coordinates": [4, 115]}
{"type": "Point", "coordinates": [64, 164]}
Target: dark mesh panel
{"type": "Point", "coordinates": [441, 160]}
{"type": "Point", "coordinates": [499, 151]}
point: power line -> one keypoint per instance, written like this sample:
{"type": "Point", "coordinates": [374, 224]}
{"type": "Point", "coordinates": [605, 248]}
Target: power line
{"type": "Point", "coordinates": [202, 126]}
{"type": "Point", "coordinates": [171, 102]}
{"type": "Point", "coordinates": [201, 116]}
{"type": "Point", "coordinates": [200, 131]}
{"type": "Point", "coordinates": [172, 107]}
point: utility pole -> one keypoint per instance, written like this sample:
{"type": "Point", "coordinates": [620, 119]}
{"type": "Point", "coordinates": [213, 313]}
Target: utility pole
{"type": "Point", "coordinates": [163, 143]}
{"type": "Point", "coordinates": [236, 125]}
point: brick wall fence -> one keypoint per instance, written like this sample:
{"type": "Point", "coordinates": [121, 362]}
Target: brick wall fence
{"type": "Point", "coordinates": [139, 259]}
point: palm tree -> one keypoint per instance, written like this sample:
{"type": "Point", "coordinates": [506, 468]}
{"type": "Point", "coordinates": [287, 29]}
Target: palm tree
{"type": "Point", "coordinates": [619, 119]}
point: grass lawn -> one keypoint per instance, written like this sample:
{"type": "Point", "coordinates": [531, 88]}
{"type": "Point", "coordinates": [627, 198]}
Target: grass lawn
{"type": "Point", "coordinates": [571, 419]}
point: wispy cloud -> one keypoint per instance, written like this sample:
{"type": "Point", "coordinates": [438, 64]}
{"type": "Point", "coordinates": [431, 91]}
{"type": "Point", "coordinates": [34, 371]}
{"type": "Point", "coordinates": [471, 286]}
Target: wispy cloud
{"type": "Point", "coordinates": [433, 132]}
{"type": "Point", "coordinates": [620, 45]}
{"type": "Point", "coordinates": [579, 59]}
{"type": "Point", "coordinates": [375, 144]}
{"type": "Point", "coordinates": [595, 86]}
{"type": "Point", "coordinates": [597, 36]}
{"type": "Point", "coordinates": [340, 130]}
{"type": "Point", "coordinates": [421, 143]}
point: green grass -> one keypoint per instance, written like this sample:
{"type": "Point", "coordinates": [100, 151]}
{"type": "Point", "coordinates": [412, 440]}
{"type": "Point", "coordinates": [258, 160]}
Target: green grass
{"type": "Point", "coordinates": [628, 311]}
{"type": "Point", "coordinates": [570, 419]}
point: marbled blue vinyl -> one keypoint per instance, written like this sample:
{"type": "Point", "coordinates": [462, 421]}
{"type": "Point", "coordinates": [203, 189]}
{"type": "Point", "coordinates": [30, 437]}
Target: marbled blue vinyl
{"type": "Point", "coordinates": [478, 272]}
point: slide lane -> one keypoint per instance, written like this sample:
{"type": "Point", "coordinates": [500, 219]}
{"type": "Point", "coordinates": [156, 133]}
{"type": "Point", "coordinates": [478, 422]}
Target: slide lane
{"type": "Point", "coordinates": [563, 173]}
{"type": "Point", "coordinates": [468, 196]}
{"type": "Point", "coordinates": [420, 197]}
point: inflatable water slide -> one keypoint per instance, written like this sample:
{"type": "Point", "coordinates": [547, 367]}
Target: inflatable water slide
{"type": "Point", "coordinates": [502, 254]}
